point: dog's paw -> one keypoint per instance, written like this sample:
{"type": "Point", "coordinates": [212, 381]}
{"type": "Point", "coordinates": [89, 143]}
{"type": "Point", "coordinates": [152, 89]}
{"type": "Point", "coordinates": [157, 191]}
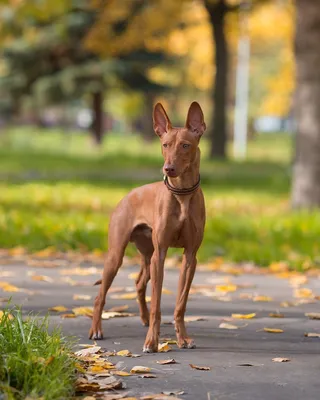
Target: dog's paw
{"type": "Point", "coordinates": [95, 335]}
{"type": "Point", "coordinates": [186, 343]}
{"type": "Point", "coordinates": [147, 349]}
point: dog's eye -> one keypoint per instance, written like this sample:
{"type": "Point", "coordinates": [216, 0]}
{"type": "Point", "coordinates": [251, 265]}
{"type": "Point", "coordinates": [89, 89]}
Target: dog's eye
{"type": "Point", "coordinates": [185, 145]}
{"type": "Point", "coordinates": [165, 145]}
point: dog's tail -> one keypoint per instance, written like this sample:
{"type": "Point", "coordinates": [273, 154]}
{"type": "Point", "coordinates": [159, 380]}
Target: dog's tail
{"type": "Point", "coordinates": [98, 282]}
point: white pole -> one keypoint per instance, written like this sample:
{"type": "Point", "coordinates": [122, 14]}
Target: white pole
{"type": "Point", "coordinates": [242, 91]}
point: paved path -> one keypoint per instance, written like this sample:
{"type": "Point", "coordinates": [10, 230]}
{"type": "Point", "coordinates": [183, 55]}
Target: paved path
{"type": "Point", "coordinates": [223, 350]}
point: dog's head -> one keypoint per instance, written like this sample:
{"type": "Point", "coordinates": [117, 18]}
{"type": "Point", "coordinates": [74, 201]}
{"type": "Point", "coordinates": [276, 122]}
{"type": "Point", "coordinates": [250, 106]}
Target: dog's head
{"type": "Point", "coordinates": [179, 145]}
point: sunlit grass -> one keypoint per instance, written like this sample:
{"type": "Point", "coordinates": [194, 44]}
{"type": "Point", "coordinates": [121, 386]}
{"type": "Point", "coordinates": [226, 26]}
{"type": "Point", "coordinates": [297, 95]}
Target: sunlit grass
{"type": "Point", "coordinates": [33, 362]}
{"type": "Point", "coordinates": [62, 196]}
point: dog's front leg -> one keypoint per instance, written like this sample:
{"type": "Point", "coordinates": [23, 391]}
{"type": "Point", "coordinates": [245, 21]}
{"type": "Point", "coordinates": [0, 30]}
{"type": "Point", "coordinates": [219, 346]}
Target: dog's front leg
{"type": "Point", "coordinates": [156, 271]}
{"type": "Point", "coordinates": [188, 268]}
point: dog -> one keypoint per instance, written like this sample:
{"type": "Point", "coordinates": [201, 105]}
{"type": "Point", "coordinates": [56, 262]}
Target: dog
{"type": "Point", "coordinates": [158, 216]}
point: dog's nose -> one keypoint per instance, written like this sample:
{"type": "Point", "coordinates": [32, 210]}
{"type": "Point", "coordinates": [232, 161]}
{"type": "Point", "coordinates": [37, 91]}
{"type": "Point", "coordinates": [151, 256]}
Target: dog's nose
{"type": "Point", "coordinates": [169, 169]}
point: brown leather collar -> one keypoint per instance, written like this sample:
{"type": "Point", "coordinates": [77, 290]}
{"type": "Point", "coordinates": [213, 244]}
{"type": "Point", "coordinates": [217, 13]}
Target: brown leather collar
{"type": "Point", "coordinates": [181, 192]}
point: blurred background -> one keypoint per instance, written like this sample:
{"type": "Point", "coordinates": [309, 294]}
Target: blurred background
{"type": "Point", "coordinates": [78, 82]}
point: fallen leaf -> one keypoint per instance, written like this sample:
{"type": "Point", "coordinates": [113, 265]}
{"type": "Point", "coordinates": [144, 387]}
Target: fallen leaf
{"type": "Point", "coordinates": [83, 385]}
{"type": "Point", "coordinates": [42, 278]}
{"type": "Point", "coordinates": [86, 311]}
{"type": "Point", "coordinates": [7, 287]}
{"type": "Point", "coordinates": [148, 376]}
{"type": "Point", "coordinates": [80, 271]}
{"type": "Point", "coordinates": [133, 275]}
{"type": "Point", "coordinates": [225, 325]}
{"type": "Point", "coordinates": [226, 288]}
{"type": "Point", "coordinates": [125, 296]}
{"type": "Point", "coordinates": [118, 308]}
{"type": "Point", "coordinates": [88, 351]}
{"type": "Point", "coordinates": [245, 365]}
{"type": "Point", "coordinates": [121, 373]}
{"type": "Point", "coordinates": [200, 368]}
{"type": "Point", "coordinates": [100, 368]}
{"type": "Point", "coordinates": [113, 314]}
{"type": "Point", "coordinates": [110, 383]}
{"type": "Point", "coordinates": [243, 316]}
{"type": "Point", "coordinates": [118, 396]}
{"type": "Point", "coordinates": [139, 369]}
{"type": "Point", "coordinates": [273, 330]}
{"type": "Point", "coordinates": [124, 353]}
{"type": "Point", "coordinates": [68, 315]}
{"type": "Point", "coordinates": [280, 359]}
{"type": "Point", "coordinates": [303, 293]}
{"type": "Point", "coordinates": [276, 315]}
{"type": "Point", "coordinates": [171, 393]}
{"type": "Point", "coordinates": [166, 291]}
{"type": "Point", "coordinates": [298, 280]}
{"type": "Point", "coordinates": [81, 297]}
{"type": "Point", "coordinates": [287, 304]}
{"type": "Point", "coordinates": [89, 398]}
{"type": "Point", "coordinates": [194, 319]}
{"type": "Point", "coordinates": [165, 362]}
{"type": "Point", "coordinates": [312, 334]}
{"type": "Point", "coordinates": [313, 315]}
{"type": "Point", "coordinates": [262, 298]}
{"type": "Point", "coordinates": [58, 309]}
{"type": "Point", "coordinates": [148, 299]}
{"type": "Point", "coordinates": [164, 348]}
{"type": "Point", "coordinates": [168, 340]}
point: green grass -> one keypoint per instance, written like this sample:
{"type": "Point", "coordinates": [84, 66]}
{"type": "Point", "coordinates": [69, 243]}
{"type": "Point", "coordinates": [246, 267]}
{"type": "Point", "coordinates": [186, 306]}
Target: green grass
{"type": "Point", "coordinates": [59, 192]}
{"type": "Point", "coordinates": [33, 362]}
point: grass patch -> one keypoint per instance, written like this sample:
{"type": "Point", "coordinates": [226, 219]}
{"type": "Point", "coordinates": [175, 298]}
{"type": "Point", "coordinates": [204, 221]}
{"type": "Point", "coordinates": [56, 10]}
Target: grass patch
{"type": "Point", "coordinates": [60, 192]}
{"type": "Point", "coordinates": [33, 362]}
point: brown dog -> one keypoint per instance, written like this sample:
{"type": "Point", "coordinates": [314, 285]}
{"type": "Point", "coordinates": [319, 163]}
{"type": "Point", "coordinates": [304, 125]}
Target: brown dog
{"type": "Point", "coordinates": [158, 216]}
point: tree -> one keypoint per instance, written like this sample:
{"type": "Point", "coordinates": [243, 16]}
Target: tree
{"type": "Point", "coordinates": [306, 182]}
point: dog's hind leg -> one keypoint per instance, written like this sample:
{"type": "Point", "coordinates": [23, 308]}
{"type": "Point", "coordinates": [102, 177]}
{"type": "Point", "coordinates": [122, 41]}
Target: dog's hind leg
{"type": "Point", "coordinates": [119, 235]}
{"type": "Point", "coordinates": [144, 244]}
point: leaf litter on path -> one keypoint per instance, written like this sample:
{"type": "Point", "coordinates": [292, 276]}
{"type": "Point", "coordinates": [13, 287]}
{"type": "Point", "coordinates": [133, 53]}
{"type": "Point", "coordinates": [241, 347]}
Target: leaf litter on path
{"type": "Point", "coordinates": [312, 334]}
{"type": "Point", "coordinates": [166, 362]}
{"type": "Point", "coordinates": [313, 315]}
{"type": "Point", "coordinates": [281, 359]}
{"type": "Point", "coordinates": [273, 330]}
{"type": "Point", "coordinates": [243, 316]}
{"type": "Point", "coordinates": [200, 368]}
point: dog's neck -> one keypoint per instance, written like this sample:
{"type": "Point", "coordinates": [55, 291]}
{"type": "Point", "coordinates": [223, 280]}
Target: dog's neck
{"type": "Point", "coordinates": [190, 176]}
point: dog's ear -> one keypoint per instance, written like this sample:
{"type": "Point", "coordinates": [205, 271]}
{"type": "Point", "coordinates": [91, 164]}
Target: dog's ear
{"type": "Point", "coordinates": [195, 120]}
{"type": "Point", "coordinates": [161, 121]}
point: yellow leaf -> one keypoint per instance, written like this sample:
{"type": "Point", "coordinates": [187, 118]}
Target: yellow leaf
{"type": "Point", "coordinates": [200, 368]}
{"type": "Point", "coordinates": [86, 311]}
{"type": "Point", "coordinates": [262, 298]}
{"type": "Point", "coordinates": [313, 315]}
{"type": "Point", "coordinates": [8, 315]}
{"type": "Point", "coordinates": [124, 353]}
{"type": "Point", "coordinates": [298, 280]}
{"type": "Point", "coordinates": [42, 278]}
{"type": "Point", "coordinates": [279, 267]}
{"type": "Point", "coordinates": [6, 287]}
{"type": "Point", "coordinates": [138, 369]}
{"type": "Point", "coordinates": [81, 297]}
{"type": "Point", "coordinates": [58, 308]}
{"type": "Point", "coordinates": [45, 252]}
{"type": "Point", "coordinates": [280, 359]}
{"type": "Point", "coordinates": [100, 368]}
{"type": "Point", "coordinates": [88, 351]}
{"type": "Point", "coordinates": [303, 293]}
{"type": "Point", "coordinates": [133, 275]}
{"type": "Point", "coordinates": [125, 296]}
{"type": "Point", "coordinates": [315, 335]}
{"type": "Point", "coordinates": [121, 373]}
{"type": "Point", "coordinates": [68, 316]}
{"type": "Point", "coordinates": [226, 288]}
{"type": "Point", "coordinates": [225, 325]}
{"type": "Point", "coordinates": [166, 291]}
{"type": "Point", "coordinates": [165, 362]}
{"type": "Point", "coordinates": [118, 308]}
{"type": "Point", "coordinates": [276, 315]}
{"type": "Point", "coordinates": [273, 330]}
{"type": "Point", "coordinates": [148, 299]}
{"type": "Point", "coordinates": [164, 347]}
{"type": "Point", "coordinates": [109, 314]}
{"type": "Point", "coordinates": [194, 319]}
{"type": "Point", "coordinates": [17, 251]}
{"type": "Point", "coordinates": [243, 316]}
{"type": "Point", "coordinates": [80, 271]}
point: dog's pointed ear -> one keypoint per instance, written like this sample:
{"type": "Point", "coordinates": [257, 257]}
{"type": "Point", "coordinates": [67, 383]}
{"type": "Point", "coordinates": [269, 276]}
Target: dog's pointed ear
{"type": "Point", "coordinates": [161, 121]}
{"type": "Point", "coordinates": [195, 120]}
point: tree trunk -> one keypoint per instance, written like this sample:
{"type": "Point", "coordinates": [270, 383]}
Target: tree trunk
{"type": "Point", "coordinates": [306, 174]}
{"type": "Point", "coordinates": [97, 117]}
{"type": "Point", "coordinates": [147, 124]}
{"type": "Point", "coordinates": [217, 13]}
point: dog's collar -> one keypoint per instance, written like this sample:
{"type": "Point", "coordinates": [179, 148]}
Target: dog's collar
{"type": "Point", "coordinates": [181, 192]}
